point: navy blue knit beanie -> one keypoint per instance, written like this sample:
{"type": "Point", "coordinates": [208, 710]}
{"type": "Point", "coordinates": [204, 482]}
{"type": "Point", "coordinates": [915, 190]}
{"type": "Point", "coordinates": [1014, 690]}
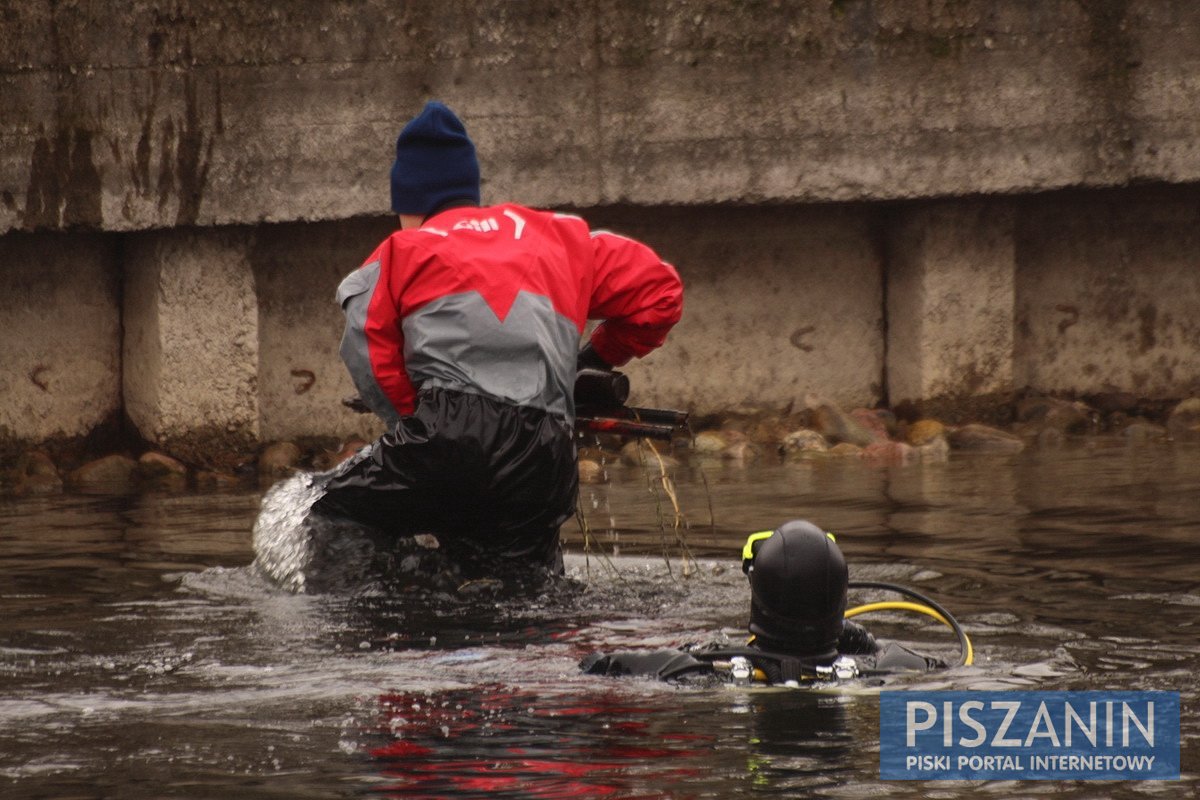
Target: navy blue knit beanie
{"type": "Point", "coordinates": [435, 163]}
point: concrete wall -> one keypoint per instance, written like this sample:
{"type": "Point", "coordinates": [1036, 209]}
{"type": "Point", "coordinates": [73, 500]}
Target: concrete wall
{"type": "Point", "coordinates": [230, 335]}
{"type": "Point", "coordinates": [135, 114]}
{"type": "Point", "coordinates": [301, 379]}
{"type": "Point", "coordinates": [191, 341]}
{"type": "Point", "coordinates": [868, 199]}
{"type": "Point", "coordinates": [60, 334]}
{"type": "Point", "coordinates": [779, 302]}
{"type": "Point", "coordinates": [951, 274]}
{"type": "Point", "coordinates": [1108, 293]}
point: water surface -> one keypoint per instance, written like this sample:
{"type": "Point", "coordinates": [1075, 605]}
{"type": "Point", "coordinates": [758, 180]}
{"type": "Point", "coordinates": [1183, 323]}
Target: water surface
{"type": "Point", "coordinates": [141, 656]}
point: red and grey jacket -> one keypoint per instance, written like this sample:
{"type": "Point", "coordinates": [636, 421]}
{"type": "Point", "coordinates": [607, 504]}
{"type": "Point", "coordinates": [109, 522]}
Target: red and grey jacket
{"type": "Point", "coordinates": [493, 301]}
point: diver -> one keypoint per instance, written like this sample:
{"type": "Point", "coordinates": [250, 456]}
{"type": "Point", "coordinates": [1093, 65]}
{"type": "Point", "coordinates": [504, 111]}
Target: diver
{"type": "Point", "coordinates": [799, 631]}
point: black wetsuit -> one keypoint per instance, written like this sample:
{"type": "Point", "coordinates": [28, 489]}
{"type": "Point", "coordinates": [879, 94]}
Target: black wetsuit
{"type": "Point", "coordinates": [870, 657]}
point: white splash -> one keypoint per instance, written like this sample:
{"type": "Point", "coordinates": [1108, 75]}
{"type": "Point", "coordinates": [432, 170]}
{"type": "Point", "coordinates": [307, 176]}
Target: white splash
{"type": "Point", "coordinates": [304, 552]}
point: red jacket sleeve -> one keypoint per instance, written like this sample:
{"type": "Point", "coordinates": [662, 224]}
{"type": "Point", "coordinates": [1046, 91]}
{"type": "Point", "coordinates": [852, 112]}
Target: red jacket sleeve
{"type": "Point", "coordinates": [639, 296]}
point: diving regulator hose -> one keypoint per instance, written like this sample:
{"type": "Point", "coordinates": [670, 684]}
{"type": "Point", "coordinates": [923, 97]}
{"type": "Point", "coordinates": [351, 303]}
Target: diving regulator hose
{"type": "Point", "coordinates": [924, 605]}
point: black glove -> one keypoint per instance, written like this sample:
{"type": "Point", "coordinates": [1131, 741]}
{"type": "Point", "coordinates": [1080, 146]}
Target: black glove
{"type": "Point", "coordinates": [588, 358]}
{"type": "Point", "coordinates": [856, 640]}
{"type": "Point", "coordinates": [666, 665]}
{"type": "Point", "coordinates": [356, 404]}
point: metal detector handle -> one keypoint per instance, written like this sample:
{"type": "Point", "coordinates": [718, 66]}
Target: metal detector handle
{"type": "Point", "coordinates": [601, 388]}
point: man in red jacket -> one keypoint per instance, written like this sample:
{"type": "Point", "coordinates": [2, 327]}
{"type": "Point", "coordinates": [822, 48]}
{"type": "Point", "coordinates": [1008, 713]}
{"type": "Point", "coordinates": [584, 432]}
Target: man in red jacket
{"type": "Point", "coordinates": [462, 333]}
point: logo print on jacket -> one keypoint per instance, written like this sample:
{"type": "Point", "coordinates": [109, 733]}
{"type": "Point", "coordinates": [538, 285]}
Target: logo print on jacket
{"type": "Point", "coordinates": [481, 225]}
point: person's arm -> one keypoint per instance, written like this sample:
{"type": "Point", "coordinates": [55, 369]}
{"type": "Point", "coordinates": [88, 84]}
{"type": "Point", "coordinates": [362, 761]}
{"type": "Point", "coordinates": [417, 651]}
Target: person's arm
{"type": "Point", "coordinates": [666, 665]}
{"type": "Point", "coordinates": [373, 343]}
{"type": "Point", "coordinates": [637, 294]}
{"type": "Point", "coordinates": [895, 657]}
{"type": "Point", "coordinates": [856, 640]}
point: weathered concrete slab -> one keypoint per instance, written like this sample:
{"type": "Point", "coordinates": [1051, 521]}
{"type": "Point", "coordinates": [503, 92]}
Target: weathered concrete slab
{"type": "Point", "coordinates": [950, 301]}
{"type": "Point", "coordinates": [60, 335]}
{"type": "Point", "coordinates": [127, 115]}
{"type": "Point", "coordinates": [191, 342]}
{"type": "Point", "coordinates": [779, 302]}
{"type": "Point", "coordinates": [301, 379]}
{"type": "Point", "coordinates": [1108, 293]}
{"type": "Point", "coordinates": [797, 160]}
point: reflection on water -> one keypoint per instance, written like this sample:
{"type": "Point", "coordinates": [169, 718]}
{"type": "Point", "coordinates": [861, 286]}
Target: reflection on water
{"type": "Point", "coordinates": [140, 656]}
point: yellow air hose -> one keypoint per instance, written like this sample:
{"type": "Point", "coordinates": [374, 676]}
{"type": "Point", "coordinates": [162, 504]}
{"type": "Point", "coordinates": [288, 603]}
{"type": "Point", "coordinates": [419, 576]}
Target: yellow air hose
{"type": "Point", "coordinates": [904, 605]}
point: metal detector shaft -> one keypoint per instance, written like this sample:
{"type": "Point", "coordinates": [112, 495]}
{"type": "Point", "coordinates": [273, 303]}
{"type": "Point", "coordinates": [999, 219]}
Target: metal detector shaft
{"type": "Point", "coordinates": [658, 416]}
{"type": "Point", "coordinates": [627, 427]}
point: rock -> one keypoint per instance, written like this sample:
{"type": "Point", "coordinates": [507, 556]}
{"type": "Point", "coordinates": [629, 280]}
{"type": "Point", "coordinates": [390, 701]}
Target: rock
{"type": "Point", "coordinates": [709, 442]}
{"type": "Point", "coordinates": [32, 485]}
{"type": "Point", "coordinates": [1113, 402]}
{"type": "Point", "coordinates": [207, 479]}
{"type": "Point", "coordinates": [600, 455]}
{"type": "Point", "coordinates": [426, 541]}
{"type": "Point", "coordinates": [888, 453]}
{"type": "Point", "coordinates": [115, 473]}
{"type": "Point", "coordinates": [328, 459]}
{"type": "Point", "coordinates": [1141, 431]}
{"type": "Point", "coordinates": [591, 471]}
{"type": "Point", "coordinates": [803, 441]}
{"type": "Point", "coordinates": [845, 449]}
{"type": "Point", "coordinates": [158, 470]}
{"type": "Point", "coordinates": [934, 451]}
{"type": "Point", "coordinates": [1049, 437]}
{"type": "Point", "coordinates": [874, 421]}
{"type": "Point", "coordinates": [349, 450]}
{"type": "Point", "coordinates": [481, 586]}
{"type": "Point", "coordinates": [740, 451]}
{"type": "Point", "coordinates": [37, 463]}
{"type": "Point", "coordinates": [279, 460]}
{"type": "Point", "coordinates": [1183, 423]}
{"type": "Point", "coordinates": [1050, 412]}
{"type": "Point", "coordinates": [925, 431]}
{"type": "Point", "coordinates": [1118, 421]}
{"type": "Point", "coordinates": [638, 453]}
{"type": "Point", "coordinates": [33, 474]}
{"type": "Point", "coordinates": [985, 439]}
{"type": "Point", "coordinates": [769, 431]}
{"type": "Point", "coordinates": [835, 424]}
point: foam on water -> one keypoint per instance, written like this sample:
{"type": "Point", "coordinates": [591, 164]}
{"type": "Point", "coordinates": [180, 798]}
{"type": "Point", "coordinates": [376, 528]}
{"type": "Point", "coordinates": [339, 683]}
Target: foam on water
{"type": "Point", "coordinates": [283, 542]}
{"type": "Point", "coordinates": [306, 552]}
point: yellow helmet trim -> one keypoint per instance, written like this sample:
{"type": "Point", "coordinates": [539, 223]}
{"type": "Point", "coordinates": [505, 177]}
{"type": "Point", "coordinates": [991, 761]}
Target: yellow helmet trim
{"type": "Point", "coordinates": [754, 538]}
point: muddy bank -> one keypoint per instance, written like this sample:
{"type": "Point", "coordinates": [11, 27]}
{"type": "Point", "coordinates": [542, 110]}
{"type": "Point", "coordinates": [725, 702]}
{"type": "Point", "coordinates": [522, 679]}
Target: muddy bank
{"type": "Point", "coordinates": [820, 429]}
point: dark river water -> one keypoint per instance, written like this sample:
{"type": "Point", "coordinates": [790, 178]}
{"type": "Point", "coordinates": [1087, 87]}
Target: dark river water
{"type": "Point", "coordinates": [141, 655]}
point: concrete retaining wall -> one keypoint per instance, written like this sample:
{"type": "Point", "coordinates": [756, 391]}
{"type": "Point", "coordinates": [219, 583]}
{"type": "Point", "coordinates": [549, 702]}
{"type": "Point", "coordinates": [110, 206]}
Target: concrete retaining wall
{"type": "Point", "coordinates": [301, 380]}
{"type": "Point", "coordinates": [779, 302]}
{"type": "Point", "coordinates": [191, 341]}
{"type": "Point", "coordinates": [230, 335]}
{"type": "Point", "coordinates": [874, 200]}
{"type": "Point", "coordinates": [1108, 293]}
{"type": "Point", "coordinates": [60, 334]}
{"type": "Point", "coordinates": [138, 114]}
